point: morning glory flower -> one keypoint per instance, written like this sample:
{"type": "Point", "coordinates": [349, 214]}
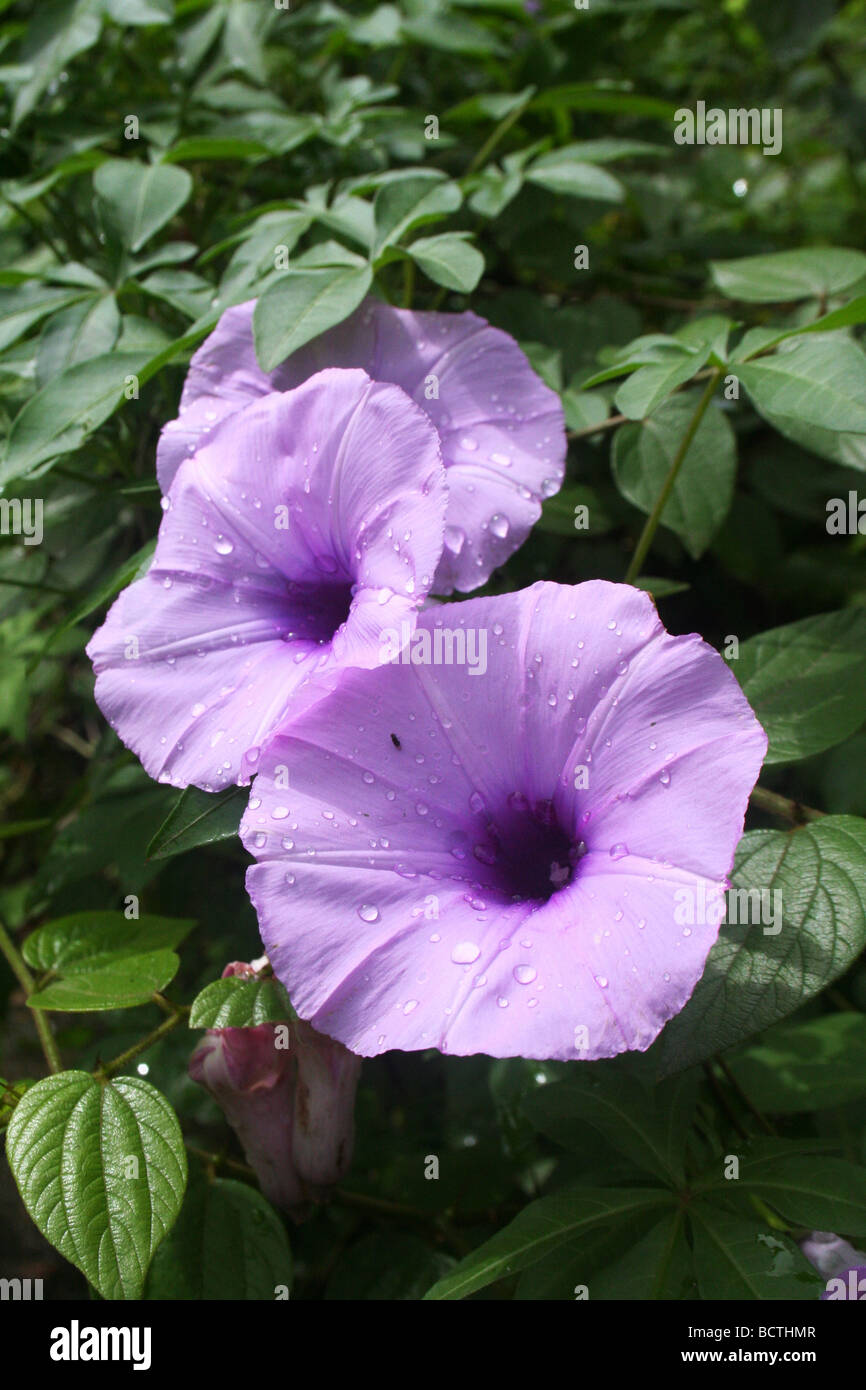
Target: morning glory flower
{"type": "Point", "coordinates": [501, 429]}
{"type": "Point", "coordinates": [498, 861]}
{"type": "Point", "coordinates": [288, 1092]}
{"type": "Point", "coordinates": [309, 523]}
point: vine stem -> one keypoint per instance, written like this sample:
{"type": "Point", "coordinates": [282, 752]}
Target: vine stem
{"type": "Point", "coordinates": [108, 1069]}
{"type": "Point", "coordinates": [496, 135]}
{"type": "Point", "coordinates": [652, 521]}
{"type": "Point", "coordinates": [25, 979]}
{"type": "Point", "coordinates": [783, 806]}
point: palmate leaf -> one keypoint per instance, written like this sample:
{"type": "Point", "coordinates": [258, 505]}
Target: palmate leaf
{"type": "Point", "coordinates": [754, 978]}
{"type": "Point", "coordinates": [101, 1169]}
{"type": "Point", "coordinates": [541, 1228]}
{"type": "Point", "coordinates": [812, 1191]}
{"type": "Point", "coordinates": [649, 1129]}
{"type": "Point", "coordinates": [738, 1256]}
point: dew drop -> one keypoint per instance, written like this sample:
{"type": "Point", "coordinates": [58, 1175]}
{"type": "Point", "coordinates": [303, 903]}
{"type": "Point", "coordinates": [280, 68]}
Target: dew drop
{"type": "Point", "coordinates": [524, 974]}
{"type": "Point", "coordinates": [465, 953]}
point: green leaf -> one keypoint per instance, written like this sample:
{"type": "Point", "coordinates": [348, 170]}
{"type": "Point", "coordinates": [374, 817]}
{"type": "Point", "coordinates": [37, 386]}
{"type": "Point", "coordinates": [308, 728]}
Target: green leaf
{"type": "Point", "coordinates": [649, 386]}
{"type": "Point", "coordinates": [642, 457]}
{"type": "Point", "coordinates": [760, 339]}
{"type": "Point", "coordinates": [659, 1265]}
{"type": "Point", "coordinates": [819, 381]}
{"type": "Point", "coordinates": [87, 939]}
{"type": "Point", "coordinates": [22, 306]}
{"type": "Point", "coordinates": [101, 960]}
{"type": "Point", "coordinates": [561, 172]}
{"type": "Point", "coordinates": [449, 260]}
{"type": "Point", "coordinates": [385, 1266]}
{"type": "Point", "coordinates": [198, 818]}
{"type": "Point", "coordinates": [138, 198]}
{"type": "Point", "coordinates": [234, 1002]}
{"type": "Point", "coordinates": [814, 1191]}
{"type": "Point", "coordinates": [410, 202]}
{"type": "Point", "coordinates": [303, 304]}
{"type": "Point", "coordinates": [228, 1244]}
{"type": "Point", "coordinates": [55, 34]}
{"type": "Point", "coordinates": [806, 682]}
{"type": "Point", "coordinates": [101, 1169]}
{"type": "Point", "coordinates": [754, 978]}
{"type": "Point", "coordinates": [87, 329]}
{"type": "Point", "coordinates": [61, 416]}
{"type": "Point", "coordinates": [212, 147]}
{"type": "Point", "coordinates": [140, 12]}
{"type": "Point", "coordinates": [131, 569]}
{"type": "Point", "coordinates": [541, 1227]}
{"type": "Point", "coordinates": [817, 272]}
{"type": "Point", "coordinates": [815, 1065]}
{"type": "Point", "coordinates": [740, 1257]}
{"type": "Point", "coordinates": [647, 1129]}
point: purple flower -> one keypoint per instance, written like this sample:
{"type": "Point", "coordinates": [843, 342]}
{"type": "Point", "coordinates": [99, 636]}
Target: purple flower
{"type": "Point", "coordinates": [501, 429]}
{"type": "Point", "coordinates": [491, 844]}
{"type": "Point", "coordinates": [309, 524]}
{"type": "Point", "coordinates": [830, 1254]}
{"type": "Point", "coordinates": [289, 1097]}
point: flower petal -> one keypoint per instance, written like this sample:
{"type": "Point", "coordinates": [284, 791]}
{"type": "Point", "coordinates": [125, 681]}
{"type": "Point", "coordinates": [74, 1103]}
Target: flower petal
{"type": "Point", "coordinates": [306, 531]}
{"type": "Point", "coordinates": [501, 427]}
{"type": "Point", "coordinates": [414, 885]}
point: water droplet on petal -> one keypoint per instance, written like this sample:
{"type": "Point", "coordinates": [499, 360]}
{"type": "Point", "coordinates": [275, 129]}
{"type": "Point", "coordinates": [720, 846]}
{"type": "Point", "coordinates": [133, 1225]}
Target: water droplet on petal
{"type": "Point", "coordinates": [368, 913]}
{"type": "Point", "coordinates": [465, 953]}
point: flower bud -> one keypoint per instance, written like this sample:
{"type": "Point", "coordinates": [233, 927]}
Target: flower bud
{"type": "Point", "coordinates": [291, 1108]}
{"type": "Point", "coordinates": [830, 1254]}
{"type": "Point", "coordinates": [324, 1130]}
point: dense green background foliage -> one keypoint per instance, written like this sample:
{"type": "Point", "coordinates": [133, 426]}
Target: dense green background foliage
{"type": "Point", "coordinates": [157, 156]}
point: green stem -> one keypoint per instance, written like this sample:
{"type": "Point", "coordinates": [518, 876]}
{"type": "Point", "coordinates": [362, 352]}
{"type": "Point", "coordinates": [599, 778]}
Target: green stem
{"type": "Point", "coordinates": [743, 1098]}
{"type": "Point", "coordinates": [25, 979]}
{"type": "Point", "coordinates": [655, 516]}
{"type": "Point", "coordinates": [408, 282]}
{"type": "Point", "coordinates": [108, 1069]}
{"type": "Point", "coordinates": [783, 806]}
{"type": "Point", "coordinates": [496, 135]}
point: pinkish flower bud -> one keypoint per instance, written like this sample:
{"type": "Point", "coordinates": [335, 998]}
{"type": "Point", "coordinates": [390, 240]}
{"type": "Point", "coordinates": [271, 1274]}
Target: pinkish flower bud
{"type": "Point", "coordinates": [291, 1107]}
{"type": "Point", "coordinates": [253, 1083]}
{"type": "Point", "coordinates": [324, 1128]}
